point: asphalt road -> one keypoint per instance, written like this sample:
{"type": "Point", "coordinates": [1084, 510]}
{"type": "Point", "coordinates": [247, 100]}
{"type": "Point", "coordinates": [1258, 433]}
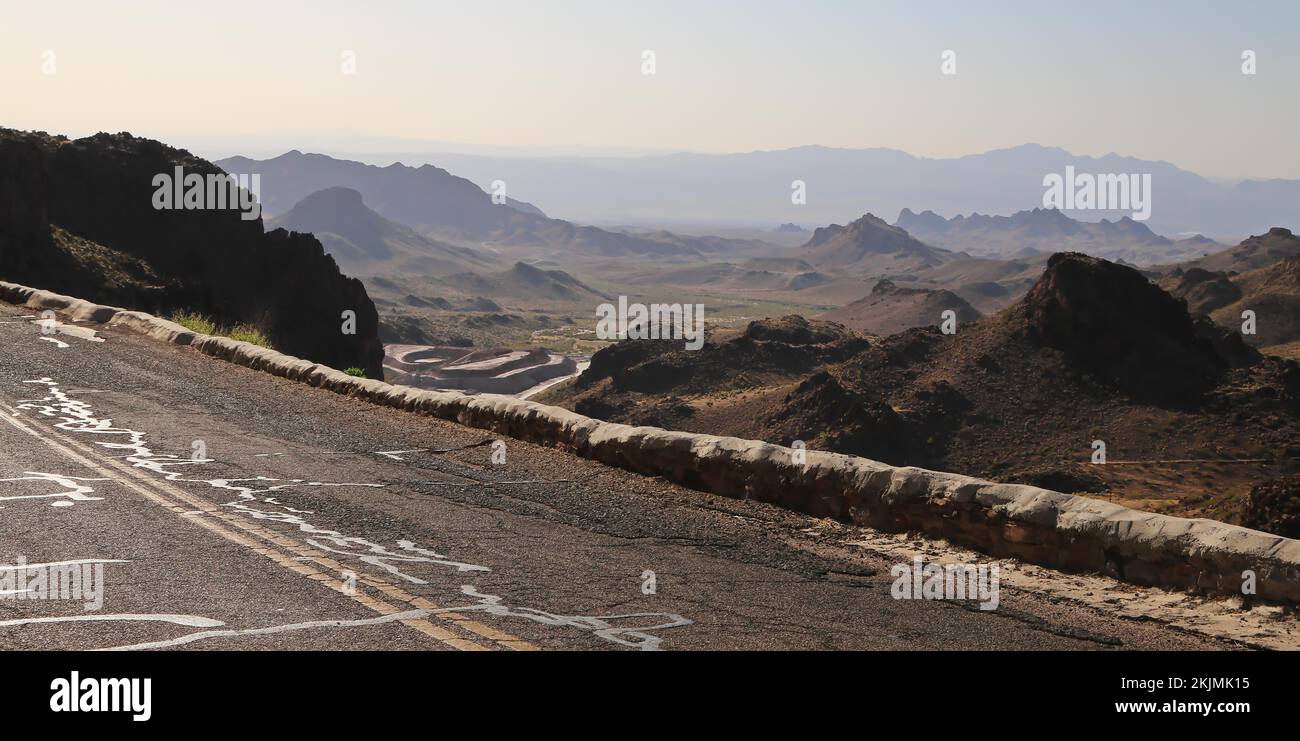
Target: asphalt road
{"type": "Point", "coordinates": [226, 508]}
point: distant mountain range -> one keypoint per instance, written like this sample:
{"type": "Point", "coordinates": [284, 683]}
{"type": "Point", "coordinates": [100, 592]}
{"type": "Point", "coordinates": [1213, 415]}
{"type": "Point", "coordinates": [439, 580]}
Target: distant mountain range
{"type": "Point", "coordinates": [755, 187]}
{"type": "Point", "coordinates": [1049, 230]}
{"type": "Point", "coordinates": [365, 243]}
{"type": "Point", "coordinates": [449, 208]}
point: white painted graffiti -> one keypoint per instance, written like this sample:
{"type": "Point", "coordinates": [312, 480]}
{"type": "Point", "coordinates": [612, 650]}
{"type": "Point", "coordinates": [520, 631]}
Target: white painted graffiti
{"type": "Point", "coordinates": [74, 488]}
{"type": "Point", "coordinates": [254, 493]}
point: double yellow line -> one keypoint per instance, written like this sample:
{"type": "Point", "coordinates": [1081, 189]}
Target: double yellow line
{"type": "Point", "coordinates": [452, 629]}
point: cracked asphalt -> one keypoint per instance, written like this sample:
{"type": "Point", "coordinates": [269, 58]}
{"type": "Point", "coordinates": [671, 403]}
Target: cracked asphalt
{"type": "Point", "coordinates": [228, 508]}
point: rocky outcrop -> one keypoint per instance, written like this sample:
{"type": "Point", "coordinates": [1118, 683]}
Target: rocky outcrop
{"type": "Point", "coordinates": [1203, 290]}
{"type": "Point", "coordinates": [828, 416]}
{"type": "Point", "coordinates": [1110, 320]}
{"type": "Point", "coordinates": [871, 245]}
{"type": "Point", "coordinates": [1274, 505]}
{"type": "Point", "coordinates": [890, 309]}
{"type": "Point", "coordinates": [767, 348]}
{"type": "Point", "coordinates": [1259, 251]}
{"type": "Point", "coordinates": [96, 194]}
{"type": "Point", "coordinates": [1026, 522]}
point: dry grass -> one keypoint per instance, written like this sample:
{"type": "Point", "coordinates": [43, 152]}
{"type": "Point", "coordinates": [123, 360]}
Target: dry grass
{"type": "Point", "coordinates": [203, 325]}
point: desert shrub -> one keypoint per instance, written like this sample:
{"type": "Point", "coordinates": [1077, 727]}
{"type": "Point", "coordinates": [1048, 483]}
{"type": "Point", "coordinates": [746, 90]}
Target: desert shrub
{"type": "Point", "coordinates": [196, 322]}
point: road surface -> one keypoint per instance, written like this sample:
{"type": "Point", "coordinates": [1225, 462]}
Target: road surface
{"type": "Point", "coordinates": [226, 508]}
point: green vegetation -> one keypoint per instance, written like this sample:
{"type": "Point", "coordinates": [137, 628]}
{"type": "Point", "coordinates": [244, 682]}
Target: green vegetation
{"type": "Point", "coordinates": [203, 325]}
{"type": "Point", "coordinates": [195, 322]}
{"type": "Point", "coordinates": [249, 333]}
{"type": "Point", "coordinates": [355, 371]}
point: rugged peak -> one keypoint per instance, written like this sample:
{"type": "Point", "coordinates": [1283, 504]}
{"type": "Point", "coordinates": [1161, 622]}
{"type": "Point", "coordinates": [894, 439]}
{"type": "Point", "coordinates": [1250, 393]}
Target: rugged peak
{"type": "Point", "coordinates": [796, 330]}
{"type": "Point", "coordinates": [860, 241]}
{"type": "Point", "coordinates": [884, 286]}
{"type": "Point", "coordinates": [342, 212]}
{"type": "Point", "coordinates": [336, 196]}
{"type": "Point", "coordinates": [1109, 319]}
{"type": "Point", "coordinates": [926, 219]}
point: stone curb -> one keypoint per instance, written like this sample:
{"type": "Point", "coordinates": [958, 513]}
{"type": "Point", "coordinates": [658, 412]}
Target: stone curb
{"type": "Point", "coordinates": [1026, 522]}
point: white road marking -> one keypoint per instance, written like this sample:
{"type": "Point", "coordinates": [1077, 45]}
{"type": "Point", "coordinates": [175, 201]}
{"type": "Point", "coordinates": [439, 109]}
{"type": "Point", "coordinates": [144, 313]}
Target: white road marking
{"type": "Point", "coordinates": [233, 632]}
{"type": "Point", "coordinates": [76, 562]}
{"type": "Point", "coordinates": [77, 416]}
{"type": "Point", "coordinates": [192, 621]}
{"type": "Point", "coordinates": [395, 453]}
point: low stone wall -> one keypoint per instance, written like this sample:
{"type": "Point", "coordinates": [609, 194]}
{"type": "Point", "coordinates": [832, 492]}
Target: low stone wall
{"type": "Point", "coordinates": [1037, 525]}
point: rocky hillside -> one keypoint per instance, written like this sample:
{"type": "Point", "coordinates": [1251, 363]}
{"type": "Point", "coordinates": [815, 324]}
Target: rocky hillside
{"type": "Point", "coordinates": [1254, 253]}
{"type": "Point", "coordinates": [78, 217]}
{"type": "Point", "coordinates": [527, 282]}
{"type": "Point", "coordinates": [889, 309]}
{"type": "Point", "coordinates": [871, 247]}
{"type": "Point", "coordinates": [1192, 417]}
{"type": "Point", "coordinates": [1261, 275]}
{"type": "Point", "coordinates": [645, 382]}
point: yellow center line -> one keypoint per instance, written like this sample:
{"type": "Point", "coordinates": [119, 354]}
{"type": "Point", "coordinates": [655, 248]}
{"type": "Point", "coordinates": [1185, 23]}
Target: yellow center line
{"type": "Point", "coordinates": [199, 509]}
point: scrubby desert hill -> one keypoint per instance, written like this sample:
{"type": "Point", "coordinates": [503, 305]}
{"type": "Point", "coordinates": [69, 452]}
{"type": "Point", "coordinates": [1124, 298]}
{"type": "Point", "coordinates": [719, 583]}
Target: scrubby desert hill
{"type": "Point", "coordinates": [1094, 351]}
{"type": "Point", "coordinates": [1269, 286]}
{"type": "Point", "coordinates": [644, 382]}
{"type": "Point", "coordinates": [1254, 253]}
{"type": "Point", "coordinates": [523, 282]}
{"type": "Point", "coordinates": [363, 242]}
{"type": "Point", "coordinates": [78, 217]}
{"type": "Point", "coordinates": [871, 247]}
{"type": "Point", "coordinates": [889, 309]}
{"type": "Point", "coordinates": [1273, 293]}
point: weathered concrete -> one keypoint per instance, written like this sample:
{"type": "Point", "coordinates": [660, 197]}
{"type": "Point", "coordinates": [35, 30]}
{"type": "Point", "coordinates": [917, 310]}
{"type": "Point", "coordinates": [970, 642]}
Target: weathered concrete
{"type": "Point", "coordinates": [1037, 525]}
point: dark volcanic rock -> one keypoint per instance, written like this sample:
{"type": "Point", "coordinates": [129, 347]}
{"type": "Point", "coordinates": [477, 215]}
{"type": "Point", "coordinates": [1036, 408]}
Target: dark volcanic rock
{"type": "Point", "coordinates": [1062, 479]}
{"type": "Point", "coordinates": [100, 189]}
{"type": "Point", "coordinates": [1203, 290]}
{"type": "Point", "coordinates": [1274, 507]}
{"type": "Point", "coordinates": [1112, 321]}
{"type": "Point", "coordinates": [824, 413]}
{"type": "Point", "coordinates": [796, 330]}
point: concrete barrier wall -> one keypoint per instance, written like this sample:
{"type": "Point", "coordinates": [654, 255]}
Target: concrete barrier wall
{"type": "Point", "coordinates": [1036, 525]}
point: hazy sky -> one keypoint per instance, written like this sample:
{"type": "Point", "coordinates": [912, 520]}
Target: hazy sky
{"type": "Point", "coordinates": [1158, 80]}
